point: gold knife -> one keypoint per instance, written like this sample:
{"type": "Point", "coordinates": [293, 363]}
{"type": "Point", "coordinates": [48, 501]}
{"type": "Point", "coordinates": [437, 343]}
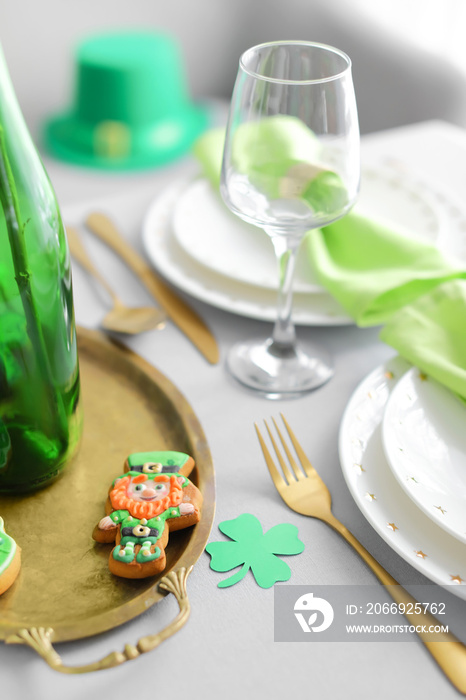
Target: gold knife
{"type": "Point", "coordinates": [187, 320]}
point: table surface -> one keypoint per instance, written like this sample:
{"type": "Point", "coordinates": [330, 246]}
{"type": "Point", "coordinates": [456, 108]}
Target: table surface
{"type": "Point", "coordinates": [227, 647]}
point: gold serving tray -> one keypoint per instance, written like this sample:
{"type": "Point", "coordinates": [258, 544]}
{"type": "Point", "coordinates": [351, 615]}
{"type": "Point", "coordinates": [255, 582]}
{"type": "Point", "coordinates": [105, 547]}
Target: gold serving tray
{"type": "Point", "coordinates": [64, 590]}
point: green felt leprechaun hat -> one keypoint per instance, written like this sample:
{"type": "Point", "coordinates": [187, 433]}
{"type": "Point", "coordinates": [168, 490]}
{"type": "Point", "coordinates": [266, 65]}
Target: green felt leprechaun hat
{"type": "Point", "coordinates": [131, 106]}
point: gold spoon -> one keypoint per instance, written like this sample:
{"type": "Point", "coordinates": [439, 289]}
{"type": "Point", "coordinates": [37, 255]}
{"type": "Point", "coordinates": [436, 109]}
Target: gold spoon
{"type": "Point", "coordinates": [121, 318]}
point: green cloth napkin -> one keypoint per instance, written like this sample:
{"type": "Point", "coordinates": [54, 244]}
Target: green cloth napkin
{"type": "Point", "coordinates": [431, 333]}
{"type": "Point", "coordinates": [373, 270]}
{"type": "Point", "coordinates": [380, 276]}
{"type": "Point", "coordinates": [279, 155]}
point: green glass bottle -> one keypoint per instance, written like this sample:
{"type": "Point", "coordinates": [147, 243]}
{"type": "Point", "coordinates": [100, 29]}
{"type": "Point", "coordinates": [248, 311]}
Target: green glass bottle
{"type": "Point", "coordinates": [40, 417]}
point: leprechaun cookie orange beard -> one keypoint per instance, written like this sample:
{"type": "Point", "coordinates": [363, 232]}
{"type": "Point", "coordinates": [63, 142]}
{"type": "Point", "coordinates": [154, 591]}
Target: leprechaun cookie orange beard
{"type": "Point", "coordinates": [10, 559]}
{"type": "Point", "coordinates": [143, 506]}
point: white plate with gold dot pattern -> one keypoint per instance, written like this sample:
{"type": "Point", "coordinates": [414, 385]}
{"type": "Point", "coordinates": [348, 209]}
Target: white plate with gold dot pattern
{"type": "Point", "coordinates": [387, 507]}
{"type": "Point", "coordinates": [424, 440]}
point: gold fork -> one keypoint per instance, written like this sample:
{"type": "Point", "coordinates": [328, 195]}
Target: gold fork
{"type": "Point", "coordinates": [303, 491]}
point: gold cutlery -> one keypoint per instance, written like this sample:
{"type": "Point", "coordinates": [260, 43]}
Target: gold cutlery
{"type": "Point", "coordinates": [121, 318]}
{"type": "Point", "coordinates": [187, 320]}
{"type": "Point", "coordinates": [303, 491]}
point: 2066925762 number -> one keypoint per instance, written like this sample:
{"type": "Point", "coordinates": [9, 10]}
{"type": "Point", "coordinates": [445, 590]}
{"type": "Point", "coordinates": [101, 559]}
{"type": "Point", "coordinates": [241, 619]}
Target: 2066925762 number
{"type": "Point", "coordinates": [404, 608]}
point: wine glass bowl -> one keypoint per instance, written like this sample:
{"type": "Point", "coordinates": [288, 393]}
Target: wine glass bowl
{"type": "Point", "coordinates": [290, 165]}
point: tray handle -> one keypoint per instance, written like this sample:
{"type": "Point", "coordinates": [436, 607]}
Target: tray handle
{"type": "Point", "coordinates": [39, 638]}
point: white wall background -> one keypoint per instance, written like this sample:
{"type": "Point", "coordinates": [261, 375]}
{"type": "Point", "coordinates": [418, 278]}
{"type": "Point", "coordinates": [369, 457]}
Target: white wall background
{"type": "Point", "coordinates": [401, 74]}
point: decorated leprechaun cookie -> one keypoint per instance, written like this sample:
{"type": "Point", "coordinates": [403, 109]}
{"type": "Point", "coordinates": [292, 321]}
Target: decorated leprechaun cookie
{"type": "Point", "coordinates": [150, 499]}
{"type": "Point", "coordinates": [10, 559]}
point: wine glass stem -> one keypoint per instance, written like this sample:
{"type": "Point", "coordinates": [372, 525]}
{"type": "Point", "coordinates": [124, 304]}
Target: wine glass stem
{"type": "Point", "coordinates": [286, 249]}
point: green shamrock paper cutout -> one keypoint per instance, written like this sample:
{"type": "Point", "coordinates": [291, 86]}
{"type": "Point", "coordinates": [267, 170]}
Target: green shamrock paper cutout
{"type": "Point", "coordinates": [251, 549]}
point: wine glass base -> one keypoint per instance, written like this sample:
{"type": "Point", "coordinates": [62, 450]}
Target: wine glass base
{"type": "Point", "coordinates": [279, 372]}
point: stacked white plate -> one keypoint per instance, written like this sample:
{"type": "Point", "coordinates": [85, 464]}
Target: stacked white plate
{"type": "Point", "coordinates": [403, 455]}
{"type": "Point", "coordinates": [196, 243]}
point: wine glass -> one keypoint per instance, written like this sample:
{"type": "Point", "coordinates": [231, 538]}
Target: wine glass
{"type": "Point", "coordinates": [290, 164]}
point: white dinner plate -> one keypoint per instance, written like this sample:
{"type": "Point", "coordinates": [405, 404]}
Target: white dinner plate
{"type": "Point", "coordinates": [217, 239]}
{"type": "Point", "coordinates": [179, 268]}
{"type": "Point", "coordinates": [424, 439]}
{"type": "Point", "coordinates": [405, 528]}
{"type": "Point", "coordinates": [315, 308]}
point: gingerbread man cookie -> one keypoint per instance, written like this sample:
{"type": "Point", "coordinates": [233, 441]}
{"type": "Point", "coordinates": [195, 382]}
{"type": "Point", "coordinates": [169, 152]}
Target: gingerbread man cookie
{"type": "Point", "coordinates": [143, 505]}
{"type": "Point", "coordinates": [10, 559]}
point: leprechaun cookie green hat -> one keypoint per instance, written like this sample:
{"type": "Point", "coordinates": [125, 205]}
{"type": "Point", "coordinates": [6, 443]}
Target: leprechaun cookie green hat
{"type": "Point", "coordinates": [161, 462]}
